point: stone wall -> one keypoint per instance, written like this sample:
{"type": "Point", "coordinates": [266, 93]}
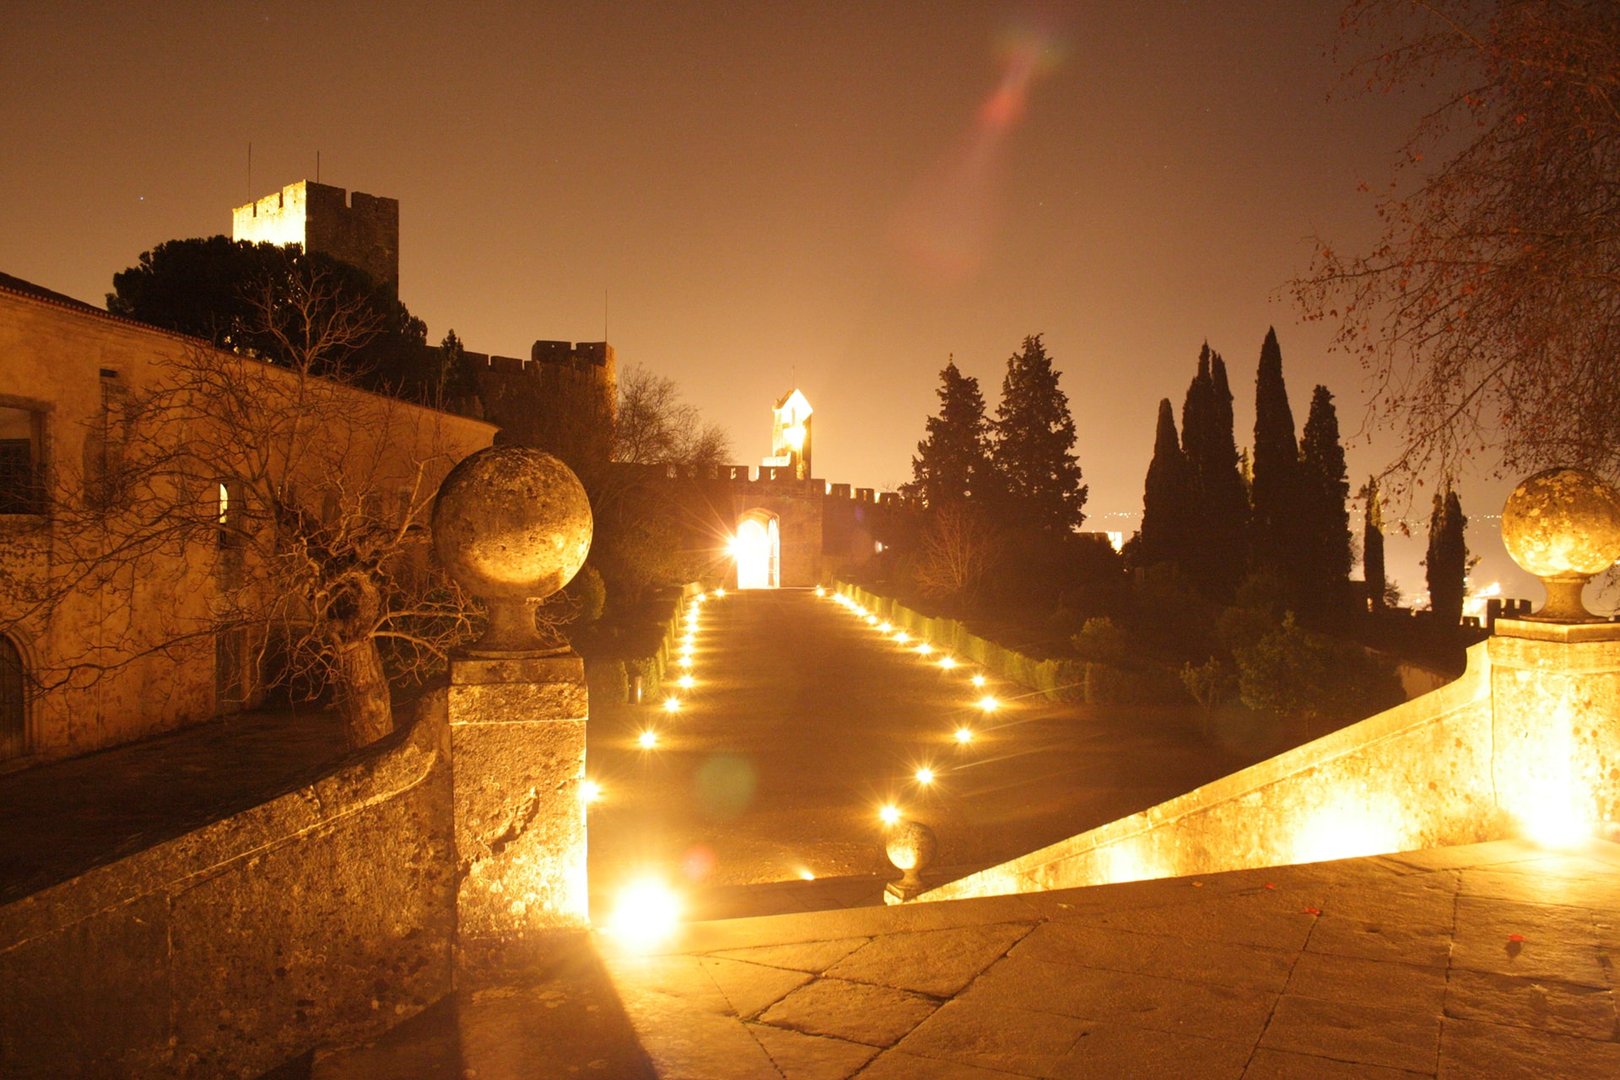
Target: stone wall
{"type": "Point", "coordinates": [1527, 738]}
{"type": "Point", "coordinates": [322, 917]}
{"type": "Point", "coordinates": [359, 229]}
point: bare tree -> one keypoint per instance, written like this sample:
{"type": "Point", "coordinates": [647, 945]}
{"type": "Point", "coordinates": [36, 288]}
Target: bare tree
{"type": "Point", "coordinates": [266, 505]}
{"type": "Point", "coordinates": [1488, 312]}
{"type": "Point", "coordinates": [655, 427]}
{"type": "Point", "coordinates": [958, 549]}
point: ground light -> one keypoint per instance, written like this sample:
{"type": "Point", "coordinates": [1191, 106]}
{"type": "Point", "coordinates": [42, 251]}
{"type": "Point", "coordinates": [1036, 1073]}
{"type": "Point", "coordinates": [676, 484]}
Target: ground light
{"type": "Point", "coordinates": [978, 680]}
{"type": "Point", "coordinates": [648, 739]}
{"type": "Point", "coordinates": [886, 628]}
{"type": "Point", "coordinates": [719, 592]}
{"type": "Point", "coordinates": [685, 682]}
{"type": "Point", "coordinates": [820, 591]}
{"type": "Point", "coordinates": [590, 791]}
{"type": "Point", "coordinates": [902, 637]}
{"type": "Point", "coordinates": [947, 662]}
{"type": "Point", "coordinates": [685, 661]}
{"type": "Point", "coordinates": [647, 915]}
{"type": "Point", "coordinates": [889, 814]}
{"type": "Point", "coordinates": [672, 704]}
{"type": "Point", "coordinates": [964, 735]}
{"type": "Point", "coordinates": [925, 649]}
{"type": "Point", "coordinates": [924, 776]}
{"type": "Point", "coordinates": [988, 703]}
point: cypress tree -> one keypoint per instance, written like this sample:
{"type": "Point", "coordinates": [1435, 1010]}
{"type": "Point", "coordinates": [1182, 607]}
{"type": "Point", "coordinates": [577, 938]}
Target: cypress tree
{"type": "Point", "coordinates": [1324, 517]}
{"type": "Point", "coordinates": [1033, 447]}
{"type": "Point", "coordinates": [1446, 565]}
{"type": "Point", "coordinates": [953, 459]}
{"type": "Point", "coordinates": [1167, 502]}
{"type": "Point", "coordinates": [1226, 496]}
{"type": "Point", "coordinates": [1275, 489]}
{"type": "Point", "coordinates": [1372, 545]}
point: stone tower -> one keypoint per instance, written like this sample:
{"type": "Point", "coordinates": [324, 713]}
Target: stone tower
{"type": "Point", "coordinates": [359, 229]}
{"type": "Point", "coordinates": [790, 434]}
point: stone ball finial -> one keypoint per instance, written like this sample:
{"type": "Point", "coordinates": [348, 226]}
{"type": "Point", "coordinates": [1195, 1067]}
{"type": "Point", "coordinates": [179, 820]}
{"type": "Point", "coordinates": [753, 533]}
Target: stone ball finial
{"type": "Point", "coordinates": [512, 525]}
{"type": "Point", "coordinates": [911, 847]}
{"type": "Point", "coordinates": [1563, 526]}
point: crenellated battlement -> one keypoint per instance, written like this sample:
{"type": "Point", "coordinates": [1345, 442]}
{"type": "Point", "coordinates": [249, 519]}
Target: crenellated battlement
{"type": "Point", "coordinates": [359, 229]}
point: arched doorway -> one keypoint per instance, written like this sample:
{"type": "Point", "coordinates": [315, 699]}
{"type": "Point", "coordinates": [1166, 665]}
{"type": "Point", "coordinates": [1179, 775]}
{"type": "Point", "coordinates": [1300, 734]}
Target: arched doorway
{"type": "Point", "coordinates": [758, 550]}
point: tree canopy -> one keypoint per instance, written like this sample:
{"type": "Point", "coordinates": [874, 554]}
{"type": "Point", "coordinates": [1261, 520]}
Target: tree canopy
{"type": "Point", "coordinates": [251, 299]}
{"type": "Point", "coordinates": [953, 459]}
{"type": "Point", "coordinates": [1488, 310]}
{"type": "Point", "coordinates": [1167, 499]}
{"type": "Point", "coordinates": [1324, 558]}
{"type": "Point", "coordinates": [1033, 446]}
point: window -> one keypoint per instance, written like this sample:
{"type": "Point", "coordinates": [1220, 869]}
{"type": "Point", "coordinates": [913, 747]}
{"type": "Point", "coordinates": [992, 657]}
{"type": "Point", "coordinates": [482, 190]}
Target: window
{"type": "Point", "coordinates": [13, 702]}
{"type": "Point", "coordinates": [22, 488]}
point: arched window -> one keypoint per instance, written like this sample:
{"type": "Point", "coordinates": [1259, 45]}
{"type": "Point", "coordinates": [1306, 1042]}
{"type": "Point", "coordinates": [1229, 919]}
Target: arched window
{"type": "Point", "coordinates": [13, 702]}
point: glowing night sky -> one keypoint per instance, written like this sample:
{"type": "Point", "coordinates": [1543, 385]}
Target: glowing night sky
{"type": "Point", "coordinates": [837, 195]}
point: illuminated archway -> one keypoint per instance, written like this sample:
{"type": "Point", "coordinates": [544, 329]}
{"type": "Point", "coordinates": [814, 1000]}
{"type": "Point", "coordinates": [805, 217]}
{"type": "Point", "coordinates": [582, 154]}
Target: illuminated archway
{"type": "Point", "coordinates": [758, 551]}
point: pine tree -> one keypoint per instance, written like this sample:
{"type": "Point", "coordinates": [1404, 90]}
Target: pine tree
{"type": "Point", "coordinates": [1275, 491]}
{"type": "Point", "coordinates": [1372, 544]}
{"type": "Point", "coordinates": [1324, 517]}
{"type": "Point", "coordinates": [1033, 447]}
{"type": "Point", "coordinates": [1167, 502]}
{"type": "Point", "coordinates": [953, 459]}
{"type": "Point", "coordinates": [1446, 565]}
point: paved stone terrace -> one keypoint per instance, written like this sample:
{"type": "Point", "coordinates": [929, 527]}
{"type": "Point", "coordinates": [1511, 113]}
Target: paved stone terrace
{"type": "Point", "coordinates": [1495, 960]}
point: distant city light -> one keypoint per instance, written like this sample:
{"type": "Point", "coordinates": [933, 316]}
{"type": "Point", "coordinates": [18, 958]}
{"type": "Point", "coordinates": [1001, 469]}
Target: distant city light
{"type": "Point", "coordinates": [889, 814]}
{"type": "Point", "coordinates": [648, 739]}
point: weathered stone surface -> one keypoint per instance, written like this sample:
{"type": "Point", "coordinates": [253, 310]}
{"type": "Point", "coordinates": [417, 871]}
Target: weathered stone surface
{"type": "Point", "coordinates": [936, 962]}
{"type": "Point", "coordinates": [1106, 1048]}
{"type": "Point", "coordinates": [1218, 963]}
{"type": "Point", "coordinates": [1013, 1040]}
{"type": "Point", "coordinates": [1280, 1065]}
{"type": "Point", "coordinates": [811, 1057]}
{"type": "Point", "coordinates": [874, 1015]}
{"type": "Point", "coordinates": [1395, 1038]}
{"type": "Point", "coordinates": [1326, 977]}
{"type": "Point", "coordinates": [1549, 1005]}
{"type": "Point", "coordinates": [519, 757]}
{"type": "Point", "coordinates": [899, 1065]}
{"type": "Point", "coordinates": [1469, 1048]}
{"type": "Point", "coordinates": [1563, 526]}
{"type": "Point", "coordinates": [750, 988]}
{"type": "Point", "coordinates": [1163, 1004]}
{"type": "Point", "coordinates": [323, 915]}
{"type": "Point", "coordinates": [814, 957]}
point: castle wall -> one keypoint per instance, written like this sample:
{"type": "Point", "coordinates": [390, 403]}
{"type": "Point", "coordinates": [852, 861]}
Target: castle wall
{"type": "Point", "coordinates": [323, 917]}
{"type": "Point", "coordinates": [359, 229]}
{"type": "Point", "coordinates": [562, 399]}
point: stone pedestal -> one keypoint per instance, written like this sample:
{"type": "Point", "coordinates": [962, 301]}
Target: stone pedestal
{"type": "Point", "coordinates": [1555, 706]}
{"type": "Point", "coordinates": [517, 732]}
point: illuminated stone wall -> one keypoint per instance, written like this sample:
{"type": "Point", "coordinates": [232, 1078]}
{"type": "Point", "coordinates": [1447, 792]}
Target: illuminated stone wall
{"type": "Point", "coordinates": [359, 229]}
{"type": "Point", "coordinates": [322, 917]}
{"type": "Point", "coordinates": [65, 361]}
{"type": "Point", "coordinates": [1526, 742]}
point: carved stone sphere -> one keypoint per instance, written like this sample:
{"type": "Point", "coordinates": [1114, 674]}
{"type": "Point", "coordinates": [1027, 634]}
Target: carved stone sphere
{"type": "Point", "coordinates": [1563, 525]}
{"type": "Point", "coordinates": [911, 847]}
{"type": "Point", "coordinates": [512, 523]}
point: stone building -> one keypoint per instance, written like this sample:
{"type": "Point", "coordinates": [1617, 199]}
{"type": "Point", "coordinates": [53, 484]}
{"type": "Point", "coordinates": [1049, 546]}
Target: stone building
{"type": "Point", "coordinates": [67, 373]}
{"type": "Point", "coordinates": [359, 229]}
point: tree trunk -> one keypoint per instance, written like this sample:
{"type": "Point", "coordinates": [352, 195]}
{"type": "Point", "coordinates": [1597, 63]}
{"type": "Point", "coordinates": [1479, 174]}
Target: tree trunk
{"type": "Point", "coordinates": [362, 693]}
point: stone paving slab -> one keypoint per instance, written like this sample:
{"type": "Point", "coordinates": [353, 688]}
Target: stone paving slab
{"type": "Point", "coordinates": [1483, 961]}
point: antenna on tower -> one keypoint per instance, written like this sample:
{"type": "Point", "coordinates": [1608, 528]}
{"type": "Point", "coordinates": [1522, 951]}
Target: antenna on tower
{"type": "Point", "coordinates": [317, 166]}
{"type": "Point", "coordinates": [604, 312]}
{"type": "Point", "coordinates": [250, 170]}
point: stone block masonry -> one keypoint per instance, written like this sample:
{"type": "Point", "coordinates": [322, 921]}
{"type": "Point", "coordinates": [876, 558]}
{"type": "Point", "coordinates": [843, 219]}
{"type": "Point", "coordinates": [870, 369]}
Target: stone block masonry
{"type": "Point", "coordinates": [321, 917]}
{"type": "Point", "coordinates": [518, 739]}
